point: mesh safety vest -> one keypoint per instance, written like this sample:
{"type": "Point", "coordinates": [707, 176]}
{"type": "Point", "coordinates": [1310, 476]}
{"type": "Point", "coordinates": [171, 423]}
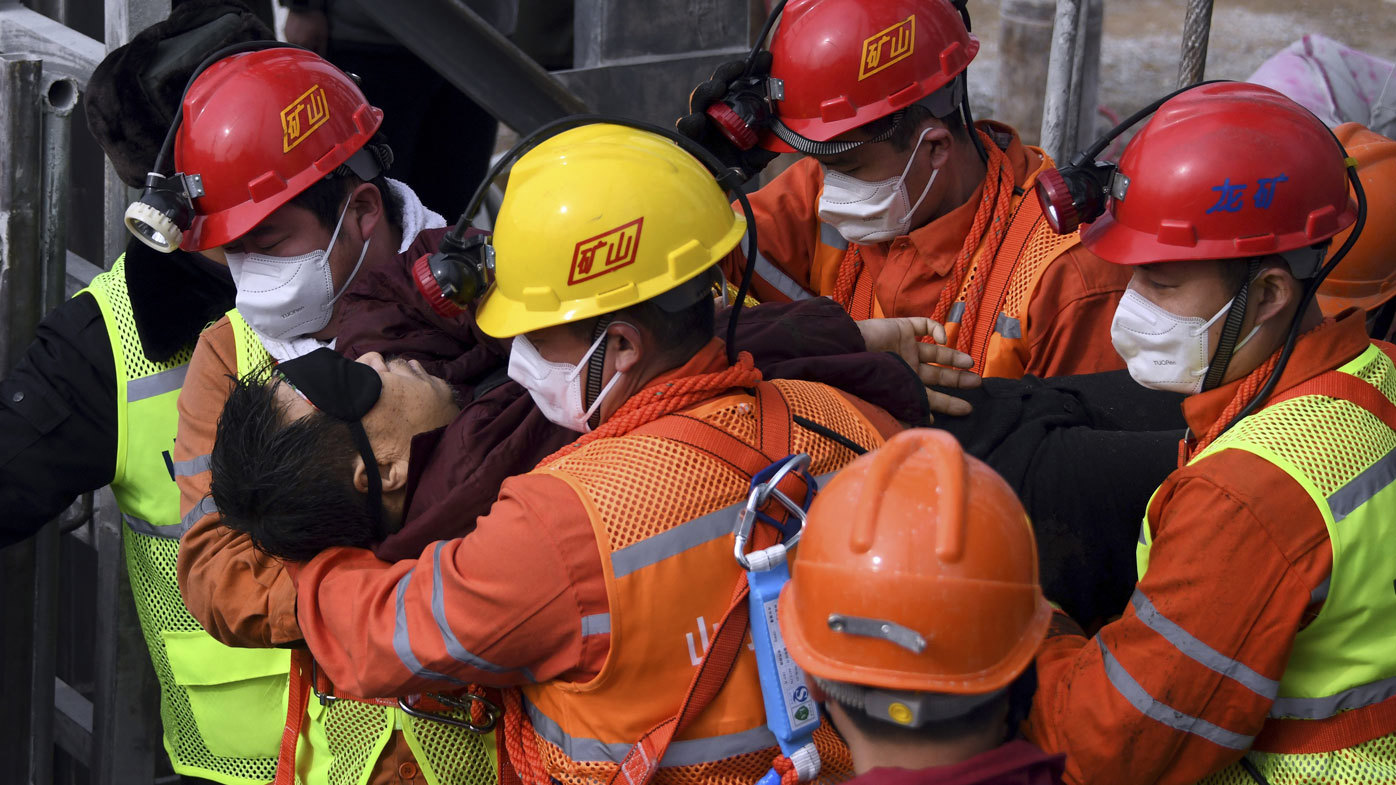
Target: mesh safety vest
{"type": "Point", "coordinates": [662, 513]}
{"type": "Point", "coordinates": [1000, 347]}
{"type": "Point", "coordinates": [221, 708]}
{"type": "Point", "coordinates": [341, 741]}
{"type": "Point", "coordinates": [1343, 456]}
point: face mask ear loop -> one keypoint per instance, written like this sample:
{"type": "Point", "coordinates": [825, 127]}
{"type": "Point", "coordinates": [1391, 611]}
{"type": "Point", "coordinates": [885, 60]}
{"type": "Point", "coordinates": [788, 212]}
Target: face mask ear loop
{"type": "Point", "coordinates": [1231, 331]}
{"type": "Point", "coordinates": [596, 366]}
{"type": "Point", "coordinates": [363, 252]}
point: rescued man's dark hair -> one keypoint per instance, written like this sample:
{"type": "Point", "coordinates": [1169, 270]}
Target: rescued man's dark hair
{"type": "Point", "coordinates": [288, 484]}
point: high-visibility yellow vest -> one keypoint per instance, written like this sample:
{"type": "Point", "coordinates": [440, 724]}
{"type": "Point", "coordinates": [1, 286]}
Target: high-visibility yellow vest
{"type": "Point", "coordinates": [221, 708]}
{"type": "Point", "coordinates": [341, 741]}
{"type": "Point", "coordinates": [1345, 458]}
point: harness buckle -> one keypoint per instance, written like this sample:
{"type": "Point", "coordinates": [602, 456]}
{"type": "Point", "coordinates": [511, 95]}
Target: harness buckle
{"type": "Point", "coordinates": [764, 490]}
{"type": "Point", "coordinates": [463, 704]}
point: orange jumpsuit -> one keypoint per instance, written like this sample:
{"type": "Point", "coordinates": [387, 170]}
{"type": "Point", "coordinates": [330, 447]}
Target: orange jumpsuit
{"type": "Point", "coordinates": [1240, 553]}
{"type": "Point", "coordinates": [1062, 323]}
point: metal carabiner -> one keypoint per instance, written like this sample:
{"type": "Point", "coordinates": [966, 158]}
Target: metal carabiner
{"type": "Point", "coordinates": [492, 712]}
{"type": "Point", "coordinates": [761, 494]}
{"type": "Point", "coordinates": [325, 698]}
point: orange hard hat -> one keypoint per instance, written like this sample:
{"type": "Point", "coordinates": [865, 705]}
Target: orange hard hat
{"type": "Point", "coordinates": [1366, 277]}
{"type": "Point", "coordinates": [917, 572]}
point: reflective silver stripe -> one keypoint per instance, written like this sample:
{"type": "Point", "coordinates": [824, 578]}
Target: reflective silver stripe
{"type": "Point", "coordinates": [1140, 699]}
{"type": "Point", "coordinates": [1320, 592]}
{"type": "Point", "coordinates": [1008, 327]}
{"type": "Point", "coordinates": [448, 636]}
{"type": "Point", "coordinates": [1327, 706]}
{"type": "Point", "coordinates": [687, 752]}
{"type": "Point", "coordinates": [168, 380]}
{"type": "Point", "coordinates": [1144, 533]}
{"type": "Point", "coordinates": [596, 624]}
{"type": "Point", "coordinates": [171, 531]}
{"type": "Point", "coordinates": [678, 539]}
{"type": "Point", "coordinates": [829, 235]}
{"type": "Point", "coordinates": [204, 507]}
{"type": "Point", "coordinates": [1200, 652]}
{"type": "Point", "coordinates": [402, 639]}
{"type": "Point", "coordinates": [776, 277]}
{"type": "Point", "coordinates": [1373, 480]}
{"type": "Point", "coordinates": [957, 312]}
{"type": "Point", "coordinates": [192, 466]}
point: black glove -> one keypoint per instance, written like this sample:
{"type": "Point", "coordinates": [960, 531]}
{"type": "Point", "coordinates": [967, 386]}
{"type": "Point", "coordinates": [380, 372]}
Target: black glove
{"type": "Point", "coordinates": [701, 128]}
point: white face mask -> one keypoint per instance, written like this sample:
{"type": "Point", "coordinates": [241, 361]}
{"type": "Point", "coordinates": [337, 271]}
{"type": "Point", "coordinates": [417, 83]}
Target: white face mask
{"type": "Point", "coordinates": [556, 387]}
{"type": "Point", "coordinates": [867, 213]}
{"type": "Point", "coordinates": [1162, 350]}
{"type": "Point", "coordinates": [285, 297]}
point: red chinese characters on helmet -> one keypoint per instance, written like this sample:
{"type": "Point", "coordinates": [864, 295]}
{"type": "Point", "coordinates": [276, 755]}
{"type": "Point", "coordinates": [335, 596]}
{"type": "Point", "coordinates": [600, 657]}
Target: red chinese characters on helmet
{"type": "Point", "coordinates": [260, 128]}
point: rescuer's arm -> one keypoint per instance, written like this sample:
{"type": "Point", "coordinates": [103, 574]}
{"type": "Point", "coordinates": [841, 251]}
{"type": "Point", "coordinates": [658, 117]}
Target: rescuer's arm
{"type": "Point", "coordinates": [1069, 315]}
{"type": "Point", "coordinates": [503, 605]}
{"type": "Point", "coordinates": [787, 223]}
{"type": "Point", "coordinates": [57, 419]}
{"type": "Point", "coordinates": [241, 596]}
{"type": "Point", "coordinates": [1236, 552]}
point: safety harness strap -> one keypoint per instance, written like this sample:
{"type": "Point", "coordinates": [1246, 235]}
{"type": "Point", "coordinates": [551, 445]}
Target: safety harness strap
{"type": "Point", "coordinates": [296, 704]}
{"type": "Point", "coordinates": [1344, 386]}
{"type": "Point", "coordinates": [773, 426]}
{"type": "Point", "coordinates": [1007, 259]}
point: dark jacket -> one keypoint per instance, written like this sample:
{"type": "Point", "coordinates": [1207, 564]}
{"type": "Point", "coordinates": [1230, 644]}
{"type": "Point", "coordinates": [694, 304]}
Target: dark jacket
{"type": "Point", "coordinates": [58, 405]}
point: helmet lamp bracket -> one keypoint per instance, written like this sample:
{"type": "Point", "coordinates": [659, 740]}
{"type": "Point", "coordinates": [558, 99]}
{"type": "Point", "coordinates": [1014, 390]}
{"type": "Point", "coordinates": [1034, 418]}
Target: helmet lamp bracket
{"type": "Point", "coordinates": [905, 637]}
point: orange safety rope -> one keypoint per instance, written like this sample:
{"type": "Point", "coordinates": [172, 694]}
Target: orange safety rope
{"type": "Point", "coordinates": [993, 215]}
{"type": "Point", "coordinates": [1249, 386]}
{"type": "Point", "coordinates": [657, 400]}
{"type": "Point", "coordinates": [786, 768]}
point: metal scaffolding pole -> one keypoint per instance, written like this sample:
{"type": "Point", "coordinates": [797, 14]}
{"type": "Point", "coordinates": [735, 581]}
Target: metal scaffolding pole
{"type": "Point", "coordinates": [1197, 29]}
{"type": "Point", "coordinates": [1059, 112]}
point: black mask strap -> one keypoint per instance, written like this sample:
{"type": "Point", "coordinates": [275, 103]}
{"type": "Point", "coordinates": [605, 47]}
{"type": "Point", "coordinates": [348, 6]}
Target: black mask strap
{"type": "Point", "coordinates": [1231, 331]}
{"type": "Point", "coordinates": [345, 390]}
{"type": "Point", "coordinates": [596, 366]}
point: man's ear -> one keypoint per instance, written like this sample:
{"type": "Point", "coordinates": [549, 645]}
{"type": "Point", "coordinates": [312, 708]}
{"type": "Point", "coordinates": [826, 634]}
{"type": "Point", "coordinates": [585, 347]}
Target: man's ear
{"type": "Point", "coordinates": [1272, 291]}
{"type": "Point", "coordinates": [393, 474]}
{"type": "Point", "coordinates": [629, 347]}
{"type": "Point", "coordinates": [938, 140]}
{"type": "Point", "coordinates": [365, 208]}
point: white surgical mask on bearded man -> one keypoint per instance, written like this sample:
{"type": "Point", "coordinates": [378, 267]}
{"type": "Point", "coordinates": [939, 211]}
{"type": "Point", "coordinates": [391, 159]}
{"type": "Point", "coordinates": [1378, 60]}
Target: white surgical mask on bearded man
{"type": "Point", "coordinates": [1162, 350]}
{"type": "Point", "coordinates": [557, 387]}
{"type": "Point", "coordinates": [285, 297]}
{"type": "Point", "coordinates": [868, 213]}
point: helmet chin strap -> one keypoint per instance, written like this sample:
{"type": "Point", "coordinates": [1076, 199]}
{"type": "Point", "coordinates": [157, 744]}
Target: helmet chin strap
{"type": "Point", "coordinates": [596, 366]}
{"type": "Point", "coordinates": [1231, 330]}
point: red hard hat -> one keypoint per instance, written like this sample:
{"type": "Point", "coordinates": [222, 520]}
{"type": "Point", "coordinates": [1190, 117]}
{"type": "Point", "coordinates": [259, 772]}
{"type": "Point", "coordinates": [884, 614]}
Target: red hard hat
{"type": "Point", "coordinates": [1224, 171]}
{"type": "Point", "coordinates": [258, 129]}
{"type": "Point", "coordinates": [917, 571]}
{"type": "Point", "coordinates": [839, 64]}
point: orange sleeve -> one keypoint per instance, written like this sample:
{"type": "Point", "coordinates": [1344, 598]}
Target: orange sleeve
{"type": "Point", "coordinates": [241, 596]}
{"type": "Point", "coordinates": [1069, 315]}
{"type": "Point", "coordinates": [507, 604]}
{"type": "Point", "coordinates": [787, 223]}
{"type": "Point", "coordinates": [1179, 686]}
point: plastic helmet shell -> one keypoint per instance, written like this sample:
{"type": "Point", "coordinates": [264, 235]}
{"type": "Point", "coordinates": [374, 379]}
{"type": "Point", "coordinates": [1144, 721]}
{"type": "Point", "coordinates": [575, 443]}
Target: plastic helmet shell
{"type": "Point", "coordinates": [260, 128]}
{"type": "Point", "coordinates": [921, 535]}
{"type": "Point", "coordinates": [599, 218]}
{"type": "Point", "coordinates": [1224, 171]}
{"type": "Point", "coordinates": [1366, 277]}
{"type": "Point", "coordinates": [845, 63]}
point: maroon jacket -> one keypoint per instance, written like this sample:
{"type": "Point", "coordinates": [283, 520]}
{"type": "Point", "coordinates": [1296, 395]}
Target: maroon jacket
{"type": "Point", "coordinates": [454, 473]}
{"type": "Point", "coordinates": [1015, 763]}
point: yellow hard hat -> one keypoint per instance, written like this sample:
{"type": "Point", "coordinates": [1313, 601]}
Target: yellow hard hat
{"type": "Point", "coordinates": [599, 218]}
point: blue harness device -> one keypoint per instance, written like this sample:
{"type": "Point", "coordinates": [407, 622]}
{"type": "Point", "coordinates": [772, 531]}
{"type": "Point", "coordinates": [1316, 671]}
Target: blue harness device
{"type": "Point", "coordinates": [791, 712]}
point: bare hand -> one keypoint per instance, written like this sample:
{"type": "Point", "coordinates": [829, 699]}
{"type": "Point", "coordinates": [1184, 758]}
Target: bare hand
{"type": "Point", "coordinates": [310, 29]}
{"type": "Point", "coordinates": [937, 365]}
